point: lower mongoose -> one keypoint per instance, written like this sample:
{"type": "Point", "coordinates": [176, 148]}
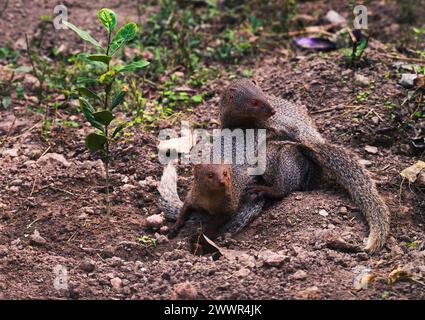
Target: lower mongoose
{"type": "Point", "coordinates": [211, 193]}
{"type": "Point", "coordinates": [292, 122]}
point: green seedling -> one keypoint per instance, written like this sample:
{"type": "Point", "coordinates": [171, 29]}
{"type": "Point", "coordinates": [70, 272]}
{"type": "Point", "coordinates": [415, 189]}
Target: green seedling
{"type": "Point", "coordinates": [98, 107]}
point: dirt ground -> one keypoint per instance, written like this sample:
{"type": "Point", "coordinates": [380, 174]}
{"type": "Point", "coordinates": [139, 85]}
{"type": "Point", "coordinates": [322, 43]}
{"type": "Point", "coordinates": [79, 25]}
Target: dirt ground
{"type": "Point", "coordinates": [51, 207]}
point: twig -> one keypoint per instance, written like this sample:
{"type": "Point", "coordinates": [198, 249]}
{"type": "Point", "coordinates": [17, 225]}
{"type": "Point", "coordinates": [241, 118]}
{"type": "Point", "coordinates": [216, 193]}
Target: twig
{"type": "Point", "coordinates": [6, 3]}
{"type": "Point", "coordinates": [326, 110]}
{"type": "Point", "coordinates": [36, 220]}
{"type": "Point", "coordinates": [26, 131]}
{"type": "Point", "coordinates": [403, 58]}
{"type": "Point", "coordinates": [45, 151]}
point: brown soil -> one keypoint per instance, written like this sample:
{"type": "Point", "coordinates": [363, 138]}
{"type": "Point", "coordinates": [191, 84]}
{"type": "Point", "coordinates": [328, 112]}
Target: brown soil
{"type": "Point", "coordinates": [63, 201]}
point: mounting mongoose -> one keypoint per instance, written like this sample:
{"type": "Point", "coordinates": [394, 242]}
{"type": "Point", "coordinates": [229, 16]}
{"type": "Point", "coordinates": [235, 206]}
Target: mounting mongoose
{"type": "Point", "coordinates": [292, 123]}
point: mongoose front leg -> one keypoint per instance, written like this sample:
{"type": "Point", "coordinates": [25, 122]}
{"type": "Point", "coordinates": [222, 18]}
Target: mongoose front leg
{"type": "Point", "coordinates": [185, 213]}
{"type": "Point", "coordinates": [265, 192]}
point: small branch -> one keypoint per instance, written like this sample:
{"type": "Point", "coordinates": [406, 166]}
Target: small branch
{"type": "Point", "coordinates": [418, 60]}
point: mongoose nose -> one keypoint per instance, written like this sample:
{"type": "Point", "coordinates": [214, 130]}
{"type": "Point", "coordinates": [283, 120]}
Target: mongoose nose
{"type": "Point", "coordinates": [273, 111]}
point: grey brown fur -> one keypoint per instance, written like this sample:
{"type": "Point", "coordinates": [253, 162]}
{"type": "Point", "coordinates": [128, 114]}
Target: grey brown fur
{"type": "Point", "coordinates": [292, 122]}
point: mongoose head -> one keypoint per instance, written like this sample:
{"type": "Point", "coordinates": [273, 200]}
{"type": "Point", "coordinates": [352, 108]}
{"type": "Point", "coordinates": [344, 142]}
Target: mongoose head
{"type": "Point", "coordinates": [214, 177]}
{"type": "Point", "coordinates": [244, 100]}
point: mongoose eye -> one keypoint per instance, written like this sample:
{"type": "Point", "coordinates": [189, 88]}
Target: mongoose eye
{"type": "Point", "coordinates": [210, 175]}
{"type": "Point", "coordinates": [255, 103]}
{"type": "Point", "coordinates": [225, 173]}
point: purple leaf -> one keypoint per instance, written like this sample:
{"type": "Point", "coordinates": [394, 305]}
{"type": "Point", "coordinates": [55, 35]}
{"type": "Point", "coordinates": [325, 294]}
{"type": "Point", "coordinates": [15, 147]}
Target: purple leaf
{"type": "Point", "coordinates": [314, 43]}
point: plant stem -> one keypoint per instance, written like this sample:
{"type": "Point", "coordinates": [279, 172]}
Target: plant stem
{"type": "Point", "coordinates": [108, 204]}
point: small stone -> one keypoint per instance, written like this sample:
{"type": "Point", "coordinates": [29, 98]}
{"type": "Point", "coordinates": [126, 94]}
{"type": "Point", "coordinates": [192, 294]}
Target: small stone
{"type": "Point", "coordinates": [309, 293]}
{"type": "Point", "coordinates": [164, 229]}
{"type": "Point", "coordinates": [371, 149]}
{"type": "Point", "coordinates": [13, 153]}
{"type": "Point", "coordinates": [375, 120]}
{"type": "Point", "coordinates": [87, 265]}
{"type": "Point", "coordinates": [184, 291]}
{"type": "Point", "coordinates": [49, 157]}
{"type": "Point", "coordinates": [155, 221]}
{"type": "Point", "coordinates": [408, 80]}
{"type": "Point", "coordinates": [160, 238]}
{"type": "Point", "coordinates": [243, 272]}
{"type": "Point", "coordinates": [365, 162]}
{"type": "Point", "coordinates": [323, 213]}
{"type": "Point", "coordinates": [343, 210]}
{"type": "Point", "coordinates": [361, 80]}
{"type": "Point", "coordinates": [271, 258]}
{"type": "Point", "coordinates": [36, 239]}
{"type": "Point", "coordinates": [14, 188]}
{"type": "Point", "coordinates": [299, 275]}
{"type": "Point", "coordinates": [335, 18]}
{"type": "Point", "coordinates": [116, 283]}
{"type": "Point", "coordinates": [148, 182]}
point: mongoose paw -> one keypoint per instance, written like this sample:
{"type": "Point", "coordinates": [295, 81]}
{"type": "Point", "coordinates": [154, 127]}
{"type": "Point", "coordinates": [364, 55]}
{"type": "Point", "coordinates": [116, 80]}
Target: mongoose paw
{"type": "Point", "coordinates": [256, 192]}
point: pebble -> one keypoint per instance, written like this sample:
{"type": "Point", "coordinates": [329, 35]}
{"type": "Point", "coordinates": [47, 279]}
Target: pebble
{"type": "Point", "coordinates": [87, 265]}
{"type": "Point", "coordinates": [155, 221]}
{"type": "Point", "coordinates": [271, 258]}
{"type": "Point", "coordinates": [184, 291]}
{"type": "Point", "coordinates": [37, 239]}
{"type": "Point", "coordinates": [49, 157]}
{"type": "Point", "coordinates": [299, 275]}
{"type": "Point", "coordinates": [371, 149]}
{"type": "Point", "coordinates": [323, 213]}
{"type": "Point", "coordinates": [116, 283]}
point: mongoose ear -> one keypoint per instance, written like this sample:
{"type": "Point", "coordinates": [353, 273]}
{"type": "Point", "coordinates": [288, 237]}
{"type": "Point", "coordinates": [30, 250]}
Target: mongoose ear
{"type": "Point", "coordinates": [254, 82]}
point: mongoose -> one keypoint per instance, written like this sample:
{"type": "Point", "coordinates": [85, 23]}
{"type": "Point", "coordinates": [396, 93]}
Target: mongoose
{"type": "Point", "coordinates": [212, 193]}
{"type": "Point", "coordinates": [170, 203]}
{"type": "Point", "coordinates": [292, 122]}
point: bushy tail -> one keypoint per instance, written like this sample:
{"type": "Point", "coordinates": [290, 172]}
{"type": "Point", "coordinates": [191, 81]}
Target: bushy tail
{"type": "Point", "coordinates": [169, 201]}
{"type": "Point", "coordinates": [345, 167]}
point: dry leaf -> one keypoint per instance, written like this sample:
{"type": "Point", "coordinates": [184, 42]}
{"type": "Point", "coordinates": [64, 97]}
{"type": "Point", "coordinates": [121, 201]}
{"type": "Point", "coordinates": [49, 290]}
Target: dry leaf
{"type": "Point", "coordinates": [411, 173]}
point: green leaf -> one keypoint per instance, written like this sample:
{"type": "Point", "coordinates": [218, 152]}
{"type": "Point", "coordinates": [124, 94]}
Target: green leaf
{"type": "Point", "coordinates": [108, 19]}
{"type": "Point", "coordinates": [118, 99]}
{"type": "Point", "coordinates": [118, 129]}
{"type": "Point", "coordinates": [95, 141]}
{"type": "Point", "coordinates": [23, 69]}
{"type": "Point", "coordinates": [88, 93]}
{"type": "Point", "coordinates": [197, 98]}
{"type": "Point", "coordinates": [100, 58]}
{"type": "Point", "coordinates": [104, 117]}
{"type": "Point", "coordinates": [107, 77]}
{"type": "Point", "coordinates": [83, 34]}
{"type": "Point", "coordinates": [361, 48]}
{"type": "Point", "coordinates": [6, 101]}
{"type": "Point", "coordinates": [88, 111]}
{"type": "Point", "coordinates": [125, 34]}
{"type": "Point", "coordinates": [133, 66]}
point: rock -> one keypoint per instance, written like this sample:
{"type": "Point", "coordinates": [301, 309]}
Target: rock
{"type": "Point", "coordinates": [343, 210]}
{"type": "Point", "coordinates": [407, 80]}
{"type": "Point", "coordinates": [155, 221]}
{"type": "Point", "coordinates": [127, 187]}
{"type": "Point", "coordinates": [243, 272]}
{"type": "Point", "coordinates": [375, 120]}
{"type": "Point", "coordinates": [335, 18]}
{"type": "Point", "coordinates": [164, 229]}
{"type": "Point", "coordinates": [148, 182]}
{"type": "Point", "coordinates": [371, 149]}
{"type": "Point", "coordinates": [323, 213]}
{"type": "Point", "coordinates": [115, 261]}
{"type": "Point", "coordinates": [116, 283]}
{"type": "Point", "coordinates": [160, 238]}
{"type": "Point", "coordinates": [50, 157]}
{"type": "Point", "coordinates": [271, 258]}
{"type": "Point", "coordinates": [13, 153]}
{"type": "Point", "coordinates": [299, 275]}
{"type": "Point", "coordinates": [87, 265]}
{"type": "Point", "coordinates": [184, 291]}
{"type": "Point", "coordinates": [310, 293]}
{"type": "Point", "coordinates": [361, 80]}
{"type": "Point", "coordinates": [36, 239]}
{"type": "Point", "coordinates": [365, 162]}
